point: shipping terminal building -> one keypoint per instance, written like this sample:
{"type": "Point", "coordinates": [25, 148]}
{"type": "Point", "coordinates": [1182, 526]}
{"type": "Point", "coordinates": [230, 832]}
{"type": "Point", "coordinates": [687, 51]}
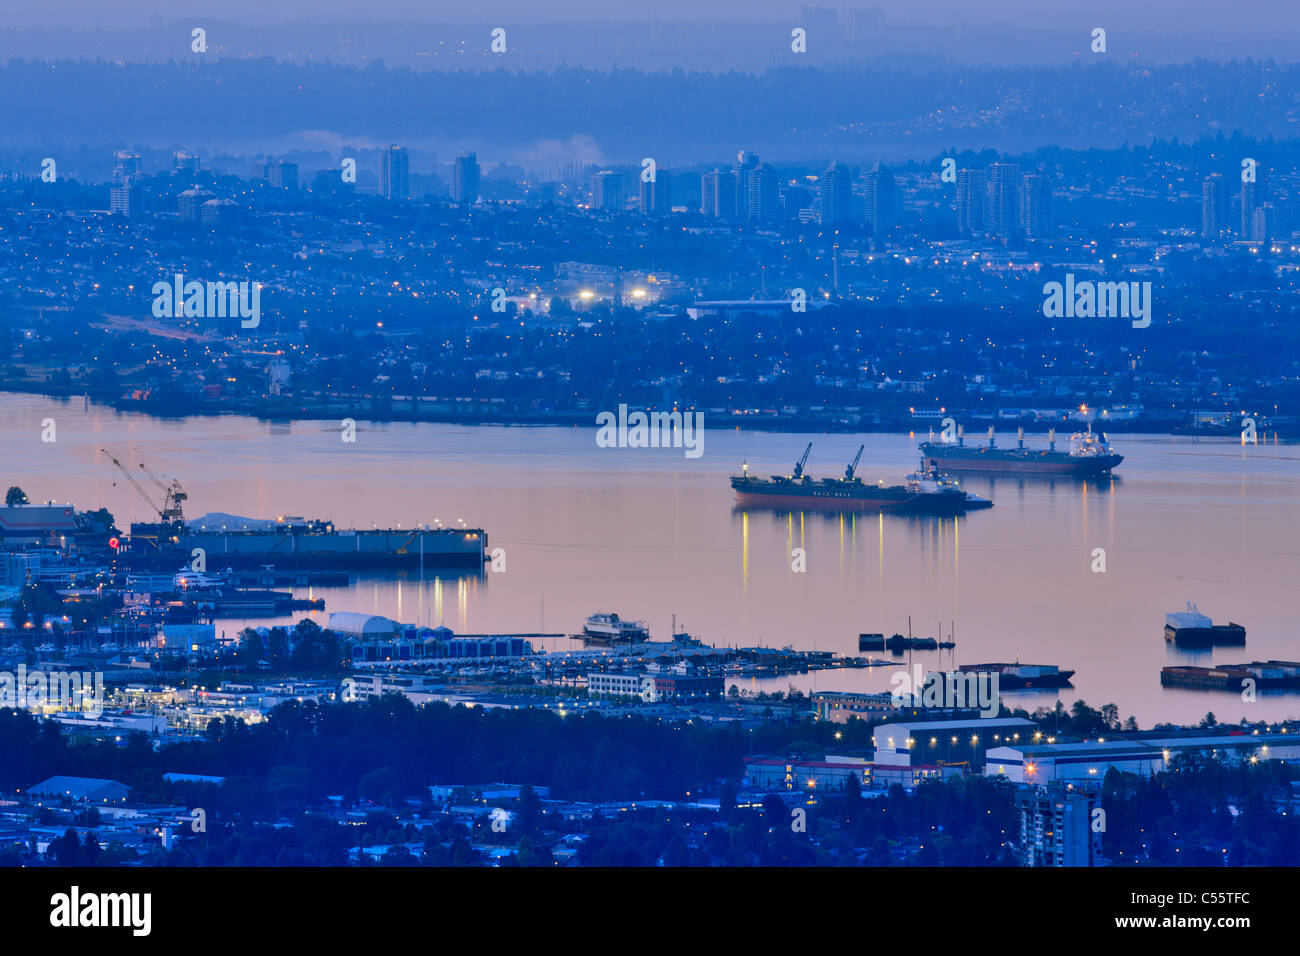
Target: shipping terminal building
{"type": "Point", "coordinates": [1079, 762]}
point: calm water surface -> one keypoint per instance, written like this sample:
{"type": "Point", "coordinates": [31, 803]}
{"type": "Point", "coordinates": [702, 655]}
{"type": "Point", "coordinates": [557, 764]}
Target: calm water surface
{"type": "Point", "coordinates": [649, 534]}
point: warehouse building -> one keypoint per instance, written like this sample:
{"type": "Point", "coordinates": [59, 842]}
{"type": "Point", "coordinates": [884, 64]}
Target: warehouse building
{"type": "Point", "coordinates": [912, 743]}
{"type": "Point", "coordinates": [1145, 755]}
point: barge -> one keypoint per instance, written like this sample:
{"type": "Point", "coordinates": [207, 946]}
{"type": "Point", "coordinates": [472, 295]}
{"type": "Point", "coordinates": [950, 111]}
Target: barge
{"type": "Point", "coordinates": [1191, 628]}
{"type": "Point", "coordinates": [1266, 675]}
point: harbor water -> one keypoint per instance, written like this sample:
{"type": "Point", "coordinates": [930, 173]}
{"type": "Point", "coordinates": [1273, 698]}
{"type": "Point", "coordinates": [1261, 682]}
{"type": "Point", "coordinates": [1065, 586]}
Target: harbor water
{"type": "Point", "coordinates": [651, 533]}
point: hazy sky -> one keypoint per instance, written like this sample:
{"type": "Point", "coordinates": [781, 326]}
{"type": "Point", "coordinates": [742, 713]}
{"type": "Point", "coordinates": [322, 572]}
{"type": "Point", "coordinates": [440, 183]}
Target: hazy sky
{"type": "Point", "coordinates": [1174, 16]}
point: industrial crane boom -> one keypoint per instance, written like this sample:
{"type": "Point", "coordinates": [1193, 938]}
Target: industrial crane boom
{"type": "Point", "coordinates": [798, 468]}
{"type": "Point", "coordinates": [134, 484]}
{"type": "Point", "coordinates": [154, 478]}
{"type": "Point", "coordinates": [848, 472]}
{"type": "Point", "coordinates": [175, 494]}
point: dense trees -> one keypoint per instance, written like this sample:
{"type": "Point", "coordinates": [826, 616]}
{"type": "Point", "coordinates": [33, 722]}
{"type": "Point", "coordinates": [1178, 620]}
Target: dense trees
{"type": "Point", "coordinates": [1203, 812]}
{"type": "Point", "coordinates": [385, 752]}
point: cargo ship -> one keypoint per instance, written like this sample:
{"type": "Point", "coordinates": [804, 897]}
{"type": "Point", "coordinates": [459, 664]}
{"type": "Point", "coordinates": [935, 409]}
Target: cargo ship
{"type": "Point", "coordinates": [1191, 628]}
{"type": "Point", "coordinates": [609, 628]}
{"type": "Point", "coordinates": [1089, 455]}
{"type": "Point", "coordinates": [1019, 676]}
{"type": "Point", "coordinates": [926, 492]}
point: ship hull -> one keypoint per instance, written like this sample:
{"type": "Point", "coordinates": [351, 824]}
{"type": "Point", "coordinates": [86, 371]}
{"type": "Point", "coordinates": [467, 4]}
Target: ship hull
{"type": "Point", "coordinates": [1018, 677]}
{"type": "Point", "coordinates": [1216, 635]}
{"type": "Point", "coordinates": [1015, 461]}
{"type": "Point", "coordinates": [903, 504]}
{"type": "Point", "coordinates": [1008, 682]}
{"type": "Point", "coordinates": [610, 640]}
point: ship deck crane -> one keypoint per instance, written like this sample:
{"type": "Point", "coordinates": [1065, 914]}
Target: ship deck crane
{"type": "Point", "coordinates": [172, 509]}
{"type": "Point", "coordinates": [798, 467]}
{"type": "Point", "coordinates": [167, 513]}
{"type": "Point", "coordinates": [848, 472]}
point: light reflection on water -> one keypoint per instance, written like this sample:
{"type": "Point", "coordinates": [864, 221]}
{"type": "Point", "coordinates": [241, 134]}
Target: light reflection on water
{"type": "Point", "coordinates": [650, 534]}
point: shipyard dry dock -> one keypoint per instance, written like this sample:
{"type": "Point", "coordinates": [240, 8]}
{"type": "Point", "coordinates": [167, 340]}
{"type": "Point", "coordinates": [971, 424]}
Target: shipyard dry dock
{"type": "Point", "coordinates": [287, 543]}
{"type": "Point", "coordinates": [231, 541]}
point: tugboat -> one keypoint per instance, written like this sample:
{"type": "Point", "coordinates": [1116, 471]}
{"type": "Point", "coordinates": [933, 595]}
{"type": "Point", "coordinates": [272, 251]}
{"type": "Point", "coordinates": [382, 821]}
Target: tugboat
{"type": "Point", "coordinates": [927, 492]}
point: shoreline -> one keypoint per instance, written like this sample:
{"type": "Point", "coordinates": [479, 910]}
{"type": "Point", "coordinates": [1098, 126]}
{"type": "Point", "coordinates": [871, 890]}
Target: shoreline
{"type": "Point", "coordinates": [831, 423]}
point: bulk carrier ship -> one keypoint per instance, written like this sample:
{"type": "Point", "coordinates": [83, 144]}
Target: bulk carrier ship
{"type": "Point", "coordinates": [926, 492]}
{"type": "Point", "coordinates": [1089, 455]}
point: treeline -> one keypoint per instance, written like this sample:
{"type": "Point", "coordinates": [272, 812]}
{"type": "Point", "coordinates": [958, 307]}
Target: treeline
{"type": "Point", "coordinates": [1203, 812]}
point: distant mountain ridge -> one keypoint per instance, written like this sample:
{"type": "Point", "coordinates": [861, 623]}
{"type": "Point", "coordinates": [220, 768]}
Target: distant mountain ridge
{"type": "Point", "coordinates": [854, 114]}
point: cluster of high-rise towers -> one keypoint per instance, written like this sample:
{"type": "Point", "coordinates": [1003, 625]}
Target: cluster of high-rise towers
{"type": "Point", "coordinates": [395, 175]}
{"type": "Point", "coordinates": [1256, 219]}
{"type": "Point", "coordinates": [752, 191]}
{"type": "Point", "coordinates": [999, 201]}
{"type": "Point", "coordinates": [1003, 201]}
